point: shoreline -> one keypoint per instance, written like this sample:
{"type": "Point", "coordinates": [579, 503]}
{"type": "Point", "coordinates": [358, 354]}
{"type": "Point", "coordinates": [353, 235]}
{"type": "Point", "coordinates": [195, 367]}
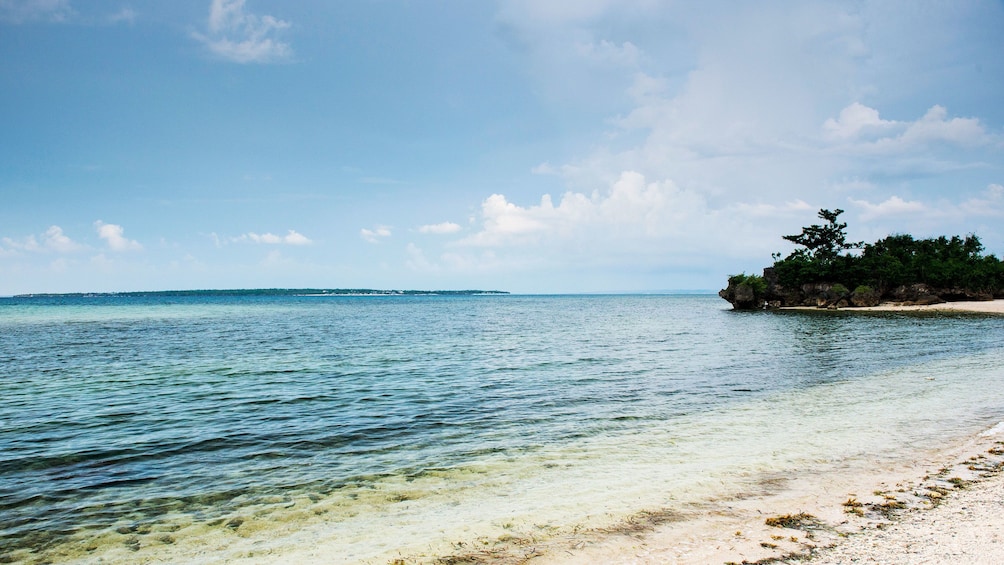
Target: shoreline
{"type": "Point", "coordinates": [975, 307]}
{"type": "Point", "coordinates": [944, 508]}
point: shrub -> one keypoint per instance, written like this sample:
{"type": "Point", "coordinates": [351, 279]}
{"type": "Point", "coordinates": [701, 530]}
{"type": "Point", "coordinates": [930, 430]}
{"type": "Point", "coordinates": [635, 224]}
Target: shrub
{"type": "Point", "coordinates": [755, 282]}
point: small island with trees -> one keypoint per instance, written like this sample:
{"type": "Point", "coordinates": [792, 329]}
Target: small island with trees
{"type": "Point", "coordinates": [827, 271]}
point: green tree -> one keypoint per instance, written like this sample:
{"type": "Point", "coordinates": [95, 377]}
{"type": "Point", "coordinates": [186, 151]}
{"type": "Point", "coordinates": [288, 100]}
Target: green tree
{"type": "Point", "coordinates": [824, 243]}
{"type": "Point", "coordinates": [952, 264]}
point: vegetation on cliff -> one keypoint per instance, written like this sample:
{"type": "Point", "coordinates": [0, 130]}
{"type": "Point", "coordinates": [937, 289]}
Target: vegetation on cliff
{"type": "Point", "coordinates": [897, 268]}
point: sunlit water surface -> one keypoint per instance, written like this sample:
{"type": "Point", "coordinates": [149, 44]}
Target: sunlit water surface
{"type": "Point", "coordinates": [140, 426]}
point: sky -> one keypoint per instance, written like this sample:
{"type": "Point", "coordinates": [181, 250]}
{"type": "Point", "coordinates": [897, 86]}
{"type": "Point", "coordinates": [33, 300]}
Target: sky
{"type": "Point", "coordinates": [523, 145]}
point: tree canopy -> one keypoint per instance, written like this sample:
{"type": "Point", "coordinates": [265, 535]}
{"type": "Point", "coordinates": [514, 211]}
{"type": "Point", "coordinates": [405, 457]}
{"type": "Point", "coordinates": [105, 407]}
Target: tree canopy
{"type": "Point", "coordinates": [900, 259]}
{"type": "Point", "coordinates": [826, 242]}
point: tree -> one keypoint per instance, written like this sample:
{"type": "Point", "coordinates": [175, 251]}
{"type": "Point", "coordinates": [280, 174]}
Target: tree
{"type": "Point", "coordinates": [823, 243]}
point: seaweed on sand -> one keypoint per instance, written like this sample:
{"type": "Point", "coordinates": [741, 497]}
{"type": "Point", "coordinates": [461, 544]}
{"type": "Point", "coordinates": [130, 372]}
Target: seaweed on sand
{"type": "Point", "coordinates": [800, 521]}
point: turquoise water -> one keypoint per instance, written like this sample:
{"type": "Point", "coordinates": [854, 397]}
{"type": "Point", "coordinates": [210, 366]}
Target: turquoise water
{"type": "Point", "coordinates": [122, 418]}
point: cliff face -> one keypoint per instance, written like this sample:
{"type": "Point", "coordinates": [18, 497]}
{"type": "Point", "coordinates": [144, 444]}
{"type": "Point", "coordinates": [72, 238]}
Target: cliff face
{"type": "Point", "coordinates": [744, 296]}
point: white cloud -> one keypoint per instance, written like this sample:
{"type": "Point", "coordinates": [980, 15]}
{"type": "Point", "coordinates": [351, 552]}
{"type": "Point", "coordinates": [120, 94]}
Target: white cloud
{"type": "Point", "coordinates": [374, 235]}
{"type": "Point", "coordinates": [633, 221]}
{"type": "Point", "coordinates": [237, 36]}
{"type": "Point", "coordinates": [23, 11]}
{"type": "Point", "coordinates": [53, 240]}
{"type": "Point", "coordinates": [114, 236]}
{"type": "Point", "coordinates": [894, 206]}
{"type": "Point", "coordinates": [631, 207]}
{"type": "Point", "coordinates": [856, 121]}
{"type": "Point", "coordinates": [990, 203]}
{"type": "Point", "coordinates": [860, 129]}
{"type": "Point", "coordinates": [441, 228]}
{"type": "Point", "coordinates": [294, 238]}
{"type": "Point", "coordinates": [291, 238]}
{"type": "Point", "coordinates": [59, 242]}
{"type": "Point", "coordinates": [27, 243]}
{"type": "Point", "coordinates": [935, 127]}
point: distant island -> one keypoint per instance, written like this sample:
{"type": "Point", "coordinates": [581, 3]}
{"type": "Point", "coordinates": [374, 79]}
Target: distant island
{"type": "Point", "coordinates": [827, 271]}
{"type": "Point", "coordinates": [269, 292]}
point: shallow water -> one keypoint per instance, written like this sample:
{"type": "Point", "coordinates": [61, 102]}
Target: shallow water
{"type": "Point", "coordinates": [135, 427]}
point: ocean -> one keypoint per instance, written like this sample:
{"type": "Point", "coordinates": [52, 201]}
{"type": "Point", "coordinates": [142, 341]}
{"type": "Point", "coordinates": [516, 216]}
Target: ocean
{"type": "Point", "coordinates": [205, 429]}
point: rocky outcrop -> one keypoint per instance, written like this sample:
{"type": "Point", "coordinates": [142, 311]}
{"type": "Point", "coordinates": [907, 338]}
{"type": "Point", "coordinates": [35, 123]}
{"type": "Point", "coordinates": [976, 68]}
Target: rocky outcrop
{"type": "Point", "coordinates": [865, 296]}
{"type": "Point", "coordinates": [835, 295]}
{"type": "Point", "coordinates": [915, 294]}
{"type": "Point", "coordinates": [742, 296]}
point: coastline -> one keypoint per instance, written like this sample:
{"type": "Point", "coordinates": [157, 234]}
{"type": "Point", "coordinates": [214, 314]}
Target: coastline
{"type": "Point", "coordinates": [943, 508]}
{"type": "Point", "coordinates": [978, 307]}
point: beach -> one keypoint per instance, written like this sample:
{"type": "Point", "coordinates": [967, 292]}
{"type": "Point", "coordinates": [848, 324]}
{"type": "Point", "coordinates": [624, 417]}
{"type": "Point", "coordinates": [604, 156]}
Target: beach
{"type": "Point", "coordinates": [930, 511]}
{"type": "Point", "coordinates": [981, 307]}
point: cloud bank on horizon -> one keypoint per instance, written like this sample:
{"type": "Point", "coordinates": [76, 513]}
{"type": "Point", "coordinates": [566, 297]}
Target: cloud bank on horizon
{"type": "Point", "coordinates": [532, 146]}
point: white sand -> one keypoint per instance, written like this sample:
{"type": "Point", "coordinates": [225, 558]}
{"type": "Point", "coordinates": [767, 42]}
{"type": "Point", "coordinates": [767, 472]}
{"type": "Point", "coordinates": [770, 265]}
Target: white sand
{"type": "Point", "coordinates": [951, 513]}
{"type": "Point", "coordinates": [988, 307]}
{"type": "Point", "coordinates": [967, 528]}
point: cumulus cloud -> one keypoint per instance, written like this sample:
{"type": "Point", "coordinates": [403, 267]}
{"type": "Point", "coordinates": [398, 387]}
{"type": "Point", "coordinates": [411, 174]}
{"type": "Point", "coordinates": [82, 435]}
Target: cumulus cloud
{"type": "Point", "coordinates": [52, 240]}
{"type": "Point", "coordinates": [632, 207]}
{"type": "Point", "coordinates": [861, 128]}
{"type": "Point", "coordinates": [441, 228]}
{"type": "Point", "coordinates": [241, 37]}
{"type": "Point", "coordinates": [23, 11]}
{"type": "Point", "coordinates": [27, 243]}
{"type": "Point", "coordinates": [856, 121]}
{"type": "Point", "coordinates": [634, 219]}
{"type": "Point", "coordinates": [291, 238]}
{"type": "Point", "coordinates": [376, 234]}
{"type": "Point", "coordinates": [59, 242]}
{"type": "Point", "coordinates": [894, 206]}
{"type": "Point", "coordinates": [114, 237]}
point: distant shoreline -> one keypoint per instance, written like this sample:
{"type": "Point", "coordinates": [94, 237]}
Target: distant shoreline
{"type": "Point", "coordinates": [264, 292]}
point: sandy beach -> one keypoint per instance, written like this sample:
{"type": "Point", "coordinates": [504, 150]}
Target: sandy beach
{"type": "Point", "coordinates": [931, 511]}
{"type": "Point", "coordinates": [984, 307]}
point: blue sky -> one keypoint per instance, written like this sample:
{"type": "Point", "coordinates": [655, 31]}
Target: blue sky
{"type": "Point", "coordinates": [530, 146]}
